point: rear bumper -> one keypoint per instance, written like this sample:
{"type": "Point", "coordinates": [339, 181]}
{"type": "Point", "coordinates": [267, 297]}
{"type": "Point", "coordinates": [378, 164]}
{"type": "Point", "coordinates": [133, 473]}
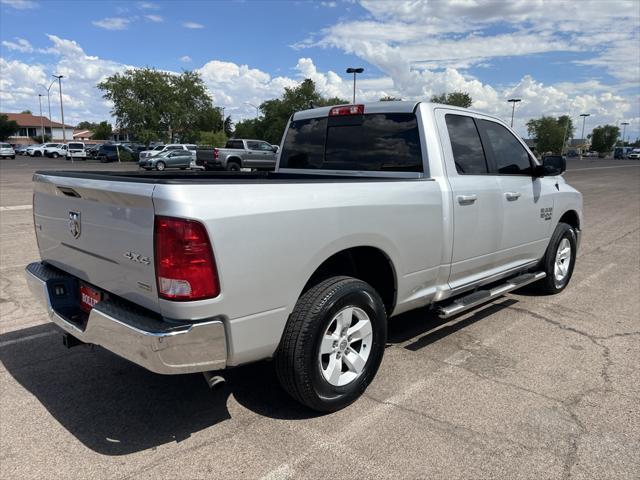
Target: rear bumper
{"type": "Point", "coordinates": [139, 336]}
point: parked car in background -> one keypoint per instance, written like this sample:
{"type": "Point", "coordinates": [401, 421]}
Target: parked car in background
{"type": "Point", "coordinates": [107, 153]}
{"type": "Point", "coordinates": [237, 154]}
{"type": "Point", "coordinates": [634, 154]}
{"type": "Point", "coordinates": [6, 150]}
{"type": "Point", "coordinates": [76, 151]}
{"type": "Point", "coordinates": [173, 146]}
{"type": "Point", "coordinates": [21, 149]}
{"type": "Point", "coordinates": [58, 150]}
{"type": "Point", "coordinates": [38, 149]}
{"type": "Point", "coordinates": [168, 159]}
{"type": "Point", "coordinates": [92, 151]}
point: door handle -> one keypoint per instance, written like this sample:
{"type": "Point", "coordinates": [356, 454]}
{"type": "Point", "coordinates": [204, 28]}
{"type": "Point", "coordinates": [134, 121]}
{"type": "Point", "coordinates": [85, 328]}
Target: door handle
{"type": "Point", "coordinates": [511, 196]}
{"type": "Point", "coordinates": [467, 199]}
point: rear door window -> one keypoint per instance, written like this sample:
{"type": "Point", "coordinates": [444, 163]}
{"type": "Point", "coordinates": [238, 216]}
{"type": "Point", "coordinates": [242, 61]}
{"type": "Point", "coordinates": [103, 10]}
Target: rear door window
{"type": "Point", "coordinates": [507, 153]}
{"type": "Point", "coordinates": [371, 142]}
{"type": "Point", "coordinates": [253, 145]}
{"type": "Point", "coordinates": [468, 153]}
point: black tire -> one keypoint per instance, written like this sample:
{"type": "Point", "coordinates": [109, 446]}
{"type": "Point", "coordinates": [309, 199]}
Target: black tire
{"type": "Point", "coordinates": [13, 157]}
{"type": "Point", "coordinates": [550, 285]}
{"type": "Point", "coordinates": [37, 154]}
{"type": "Point", "coordinates": [160, 166]}
{"type": "Point", "coordinates": [297, 361]}
{"type": "Point", "coordinates": [233, 166]}
{"type": "Point", "coordinates": [55, 155]}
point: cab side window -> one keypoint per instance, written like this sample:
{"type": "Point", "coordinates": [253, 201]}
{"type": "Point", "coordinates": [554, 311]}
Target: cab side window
{"type": "Point", "coordinates": [507, 153]}
{"type": "Point", "coordinates": [468, 153]}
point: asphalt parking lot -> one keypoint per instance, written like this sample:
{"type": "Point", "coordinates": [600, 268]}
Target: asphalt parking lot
{"type": "Point", "coordinates": [525, 387]}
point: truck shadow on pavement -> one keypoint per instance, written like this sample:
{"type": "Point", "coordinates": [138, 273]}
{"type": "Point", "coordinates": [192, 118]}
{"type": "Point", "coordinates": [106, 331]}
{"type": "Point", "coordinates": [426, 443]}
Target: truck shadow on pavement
{"type": "Point", "coordinates": [116, 408]}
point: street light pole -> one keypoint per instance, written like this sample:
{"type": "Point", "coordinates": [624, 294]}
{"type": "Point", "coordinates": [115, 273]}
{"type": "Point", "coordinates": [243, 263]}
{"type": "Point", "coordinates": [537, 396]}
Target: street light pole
{"type": "Point", "coordinates": [41, 119]}
{"type": "Point", "coordinates": [513, 108]}
{"type": "Point", "coordinates": [584, 118]}
{"type": "Point", "coordinates": [354, 71]}
{"type": "Point", "coordinates": [254, 106]}
{"type": "Point", "coordinates": [49, 99]}
{"type": "Point", "coordinates": [64, 132]}
{"type": "Point", "coordinates": [624, 131]}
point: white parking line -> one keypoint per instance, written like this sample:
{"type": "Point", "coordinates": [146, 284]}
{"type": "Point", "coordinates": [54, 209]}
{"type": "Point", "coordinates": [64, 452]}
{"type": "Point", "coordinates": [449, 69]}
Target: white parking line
{"type": "Point", "coordinates": [27, 338]}
{"type": "Point", "coordinates": [16, 207]}
{"type": "Point", "coordinates": [599, 168]}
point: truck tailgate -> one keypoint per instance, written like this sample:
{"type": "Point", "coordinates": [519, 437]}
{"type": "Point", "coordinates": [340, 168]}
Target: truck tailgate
{"type": "Point", "coordinates": [100, 231]}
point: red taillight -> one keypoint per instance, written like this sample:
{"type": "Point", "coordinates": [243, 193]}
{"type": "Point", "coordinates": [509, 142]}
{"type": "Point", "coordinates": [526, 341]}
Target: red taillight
{"type": "Point", "coordinates": [347, 110]}
{"type": "Point", "coordinates": [185, 267]}
{"type": "Point", "coordinates": [216, 154]}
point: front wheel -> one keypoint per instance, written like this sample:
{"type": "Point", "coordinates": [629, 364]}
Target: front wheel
{"type": "Point", "coordinates": [559, 260]}
{"type": "Point", "coordinates": [54, 155]}
{"type": "Point", "coordinates": [160, 166]}
{"type": "Point", "coordinates": [333, 344]}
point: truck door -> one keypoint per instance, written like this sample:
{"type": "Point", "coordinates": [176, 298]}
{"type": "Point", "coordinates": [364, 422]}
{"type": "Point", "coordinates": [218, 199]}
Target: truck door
{"type": "Point", "coordinates": [527, 202]}
{"type": "Point", "coordinates": [476, 198]}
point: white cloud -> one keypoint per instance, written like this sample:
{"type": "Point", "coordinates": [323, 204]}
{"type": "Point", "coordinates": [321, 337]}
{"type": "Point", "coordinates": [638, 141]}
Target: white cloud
{"type": "Point", "coordinates": [330, 4]}
{"type": "Point", "coordinates": [148, 6]}
{"type": "Point", "coordinates": [185, 59]}
{"type": "Point", "coordinates": [20, 45]}
{"type": "Point", "coordinates": [192, 25]}
{"type": "Point", "coordinates": [232, 85]}
{"type": "Point", "coordinates": [154, 18]}
{"type": "Point", "coordinates": [19, 4]}
{"type": "Point", "coordinates": [112, 23]}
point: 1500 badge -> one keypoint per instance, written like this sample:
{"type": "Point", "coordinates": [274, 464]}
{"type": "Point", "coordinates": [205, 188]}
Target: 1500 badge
{"type": "Point", "coordinates": [546, 213]}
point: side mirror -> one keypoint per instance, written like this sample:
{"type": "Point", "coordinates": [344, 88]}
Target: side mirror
{"type": "Point", "coordinates": [275, 148]}
{"type": "Point", "coordinates": [553, 165]}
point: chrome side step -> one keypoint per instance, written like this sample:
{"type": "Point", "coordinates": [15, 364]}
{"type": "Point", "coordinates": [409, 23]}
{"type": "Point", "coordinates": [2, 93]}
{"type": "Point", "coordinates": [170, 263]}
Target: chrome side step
{"type": "Point", "coordinates": [479, 297]}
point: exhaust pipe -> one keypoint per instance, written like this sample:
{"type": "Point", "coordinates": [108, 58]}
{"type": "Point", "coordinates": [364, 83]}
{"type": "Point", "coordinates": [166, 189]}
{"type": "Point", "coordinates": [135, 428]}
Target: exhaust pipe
{"type": "Point", "coordinates": [214, 382]}
{"type": "Point", "coordinates": [69, 341]}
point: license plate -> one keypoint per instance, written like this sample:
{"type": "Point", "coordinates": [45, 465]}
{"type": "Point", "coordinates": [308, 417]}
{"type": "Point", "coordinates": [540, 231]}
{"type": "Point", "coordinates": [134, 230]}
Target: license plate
{"type": "Point", "coordinates": [88, 298]}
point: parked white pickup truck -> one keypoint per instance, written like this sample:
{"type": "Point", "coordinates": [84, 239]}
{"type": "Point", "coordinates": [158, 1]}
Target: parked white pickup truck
{"type": "Point", "coordinates": [373, 210]}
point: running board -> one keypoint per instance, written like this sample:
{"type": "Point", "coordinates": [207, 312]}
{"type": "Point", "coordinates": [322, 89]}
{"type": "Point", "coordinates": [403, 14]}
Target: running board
{"type": "Point", "coordinates": [479, 297]}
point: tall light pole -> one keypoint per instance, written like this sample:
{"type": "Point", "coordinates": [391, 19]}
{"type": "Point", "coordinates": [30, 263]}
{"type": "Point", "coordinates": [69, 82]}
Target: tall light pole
{"type": "Point", "coordinates": [48, 89]}
{"type": "Point", "coordinates": [41, 119]}
{"type": "Point", "coordinates": [354, 71]}
{"type": "Point", "coordinates": [254, 106]}
{"type": "Point", "coordinates": [513, 108]}
{"type": "Point", "coordinates": [64, 132]}
{"type": "Point", "coordinates": [624, 131]}
{"type": "Point", "coordinates": [584, 118]}
{"type": "Point", "coordinates": [222, 118]}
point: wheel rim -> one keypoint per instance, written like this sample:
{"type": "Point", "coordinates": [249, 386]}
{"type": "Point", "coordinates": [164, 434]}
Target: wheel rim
{"type": "Point", "coordinates": [160, 166]}
{"type": "Point", "coordinates": [563, 261]}
{"type": "Point", "coordinates": [345, 346]}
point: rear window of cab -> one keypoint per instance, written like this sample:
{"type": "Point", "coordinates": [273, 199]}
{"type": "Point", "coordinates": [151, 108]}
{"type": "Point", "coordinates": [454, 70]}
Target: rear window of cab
{"type": "Point", "coordinates": [384, 142]}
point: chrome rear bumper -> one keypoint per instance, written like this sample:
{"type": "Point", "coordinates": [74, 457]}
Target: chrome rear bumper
{"type": "Point", "coordinates": [144, 339]}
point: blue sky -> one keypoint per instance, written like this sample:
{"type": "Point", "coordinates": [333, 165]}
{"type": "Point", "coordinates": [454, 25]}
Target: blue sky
{"type": "Point", "coordinates": [559, 57]}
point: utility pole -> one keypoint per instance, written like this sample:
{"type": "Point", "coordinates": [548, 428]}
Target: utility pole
{"type": "Point", "coordinates": [222, 118]}
{"type": "Point", "coordinates": [584, 117]}
{"type": "Point", "coordinates": [513, 108]}
{"type": "Point", "coordinates": [49, 100]}
{"type": "Point", "coordinates": [41, 119]}
{"type": "Point", "coordinates": [254, 106]}
{"type": "Point", "coordinates": [64, 132]}
{"type": "Point", "coordinates": [624, 131]}
{"type": "Point", "coordinates": [564, 139]}
{"type": "Point", "coordinates": [354, 71]}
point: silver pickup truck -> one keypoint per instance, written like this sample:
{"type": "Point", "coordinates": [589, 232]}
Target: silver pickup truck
{"type": "Point", "coordinates": [374, 210]}
{"type": "Point", "coordinates": [238, 154]}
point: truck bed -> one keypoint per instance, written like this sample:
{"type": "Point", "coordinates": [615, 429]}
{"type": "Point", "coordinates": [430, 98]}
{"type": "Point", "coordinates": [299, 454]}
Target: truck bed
{"type": "Point", "coordinates": [214, 177]}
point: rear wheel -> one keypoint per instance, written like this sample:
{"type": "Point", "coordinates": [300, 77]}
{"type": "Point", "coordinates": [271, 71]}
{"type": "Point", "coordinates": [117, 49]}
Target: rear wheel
{"type": "Point", "coordinates": [559, 260]}
{"type": "Point", "coordinates": [233, 166]}
{"type": "Point", "coordinates": [333, 344]}
{"type": "Point", "coordinates": [160, 166]}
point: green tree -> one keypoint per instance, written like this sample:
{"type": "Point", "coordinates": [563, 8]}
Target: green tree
{"type": "Point", "coordinates": [389, 98]}
{"type": "Point", "coordinates": [7, 127]}
{"type": "Point", "coordinates": [217, 139]}
{"type": "Point", "coordinates": [102, 131]}
{"type": "Point", "coordinates": [228, 126]}
{"type": "Point", "coordinates": [151, 104]}
{"type": "Point", "coordinates": [604, 138]}
{"type": "Point", "coordinates": [275, 113]}
{"type": "Point", "coordinates": [458, 99]}
{"type": "Point", "coordinates": [87, 126]}
{"type": "Point", "coordinates": [27, 111]}
{"type": "Point", "coordinates": [550, 133]}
